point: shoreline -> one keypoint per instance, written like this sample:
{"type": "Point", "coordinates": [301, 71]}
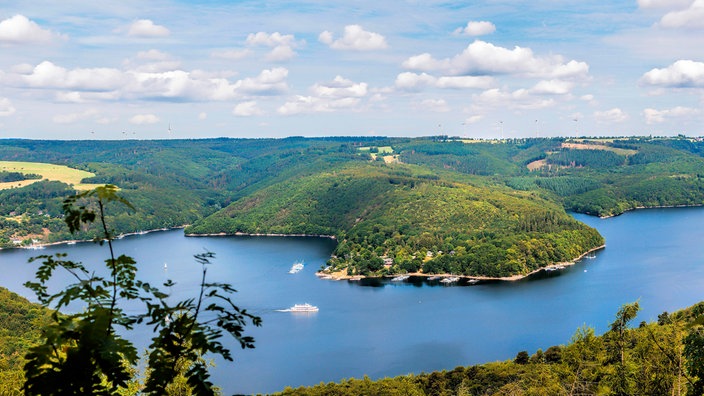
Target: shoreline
{"type": "Point", "coordinates": [647, 207]}
{"type": "Point", "coordinates": [39, 246]}
{"type": "Point", "coordinates": [260, 235]}
{"type": "Point", "coordinates": [512, 278]}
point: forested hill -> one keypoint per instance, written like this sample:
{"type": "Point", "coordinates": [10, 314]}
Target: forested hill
{"type": "Point", "coordinates": [438, 204]}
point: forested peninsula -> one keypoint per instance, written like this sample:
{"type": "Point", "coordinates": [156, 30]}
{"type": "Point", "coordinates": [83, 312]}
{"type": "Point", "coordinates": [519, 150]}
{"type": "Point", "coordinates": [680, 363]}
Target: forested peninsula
{"type": "Point", "coordinates": [440, 204]}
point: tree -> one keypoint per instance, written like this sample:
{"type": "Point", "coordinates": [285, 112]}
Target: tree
{"type": "Point", "coordinates": [86, 353]}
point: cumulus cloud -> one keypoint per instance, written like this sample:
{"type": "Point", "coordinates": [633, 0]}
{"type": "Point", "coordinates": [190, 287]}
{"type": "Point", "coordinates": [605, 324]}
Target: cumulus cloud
{"type": "Point", "coordinates": [338, 94]}
{"type": "Point", "coordinates": [408, 81]}
{"type": "Point", "coordinates": [553, 87]}
{"type": "Point", "coordinates": [144, 119]}
{"type": "Point", "coordinates": [146, 28]}
{"type": "Point", "coordinates": [6, 107]}
{"type": "Point", "coordinates": [95, 84]}
{"type": "Point", "coordinates": [247, 109]}
{"type": "Point", "coordinates": [654, 116]}
{"type": "Point", "coordinates": [692, 17]}
{"type": "Point", "coordinates": [49, 75]}
{"type": "Point", "coordinates": [354, 38]}
{"type": "Point", "coordinates": [340, 87]}
{"type": "Point", "coordinates": [681, 74]}
{"type": "Point", "coordinates": [282, 44]}
{"type": "Point", "coordinates": [477, 28]}
{"type": "Point", "coordinates": [268, 82]}
{"type": "Point", "coordinates": [610, 116]}
{"type": "Point", "coordinates": [20, 30]}
{"type": "Point", "coordinates": [482, 58]}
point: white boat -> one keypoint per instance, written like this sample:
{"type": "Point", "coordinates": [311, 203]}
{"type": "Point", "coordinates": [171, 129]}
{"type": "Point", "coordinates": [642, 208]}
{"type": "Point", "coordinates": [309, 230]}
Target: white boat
{"type": "Point", "coordinates": [451, 279]}
{"type": "Point", "coordinates": [435, 277]}
{"type": "Point", "coordinates": [301, 308]}
{"type": "Point", "coordinates": [400, 278]}
{"type": "Point", "coordinates": [591, 256]}
{"type": "Point", "coordinates": [296, 267]}
{"type": "Point", "coordinates": [71, 242]}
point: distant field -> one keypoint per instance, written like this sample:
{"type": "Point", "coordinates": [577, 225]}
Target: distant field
{"type": "Point", "coordinates": [382, 149]}
{"type": "Point", "coordinates": [587, 146]}
{"type": "Point", "coordinates": [48, 172]}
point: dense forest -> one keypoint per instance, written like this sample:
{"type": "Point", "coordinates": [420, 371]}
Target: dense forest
{"type": "Point", "coordinates": [395, 205]}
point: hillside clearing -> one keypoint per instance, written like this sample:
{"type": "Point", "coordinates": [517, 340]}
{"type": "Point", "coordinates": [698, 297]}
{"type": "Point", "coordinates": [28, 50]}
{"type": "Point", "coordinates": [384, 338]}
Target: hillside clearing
{"type": "Point", "coordinates": [48, 172]}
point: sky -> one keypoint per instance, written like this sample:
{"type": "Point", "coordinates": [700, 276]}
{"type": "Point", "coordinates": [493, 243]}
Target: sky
{"type": "Point", "coordinates": [161, 69]}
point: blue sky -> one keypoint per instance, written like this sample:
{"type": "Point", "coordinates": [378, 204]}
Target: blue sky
{"type": "Point", "coordinates": [190, 69]}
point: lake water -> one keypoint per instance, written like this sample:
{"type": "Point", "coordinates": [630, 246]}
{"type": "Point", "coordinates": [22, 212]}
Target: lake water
{"type": "Point", "coordinates": [382, 329]}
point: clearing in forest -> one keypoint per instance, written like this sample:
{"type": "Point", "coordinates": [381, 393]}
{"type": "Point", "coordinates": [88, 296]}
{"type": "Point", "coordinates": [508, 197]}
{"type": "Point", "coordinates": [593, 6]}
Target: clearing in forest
{"type": "Point", "coordinates": [48, 172]}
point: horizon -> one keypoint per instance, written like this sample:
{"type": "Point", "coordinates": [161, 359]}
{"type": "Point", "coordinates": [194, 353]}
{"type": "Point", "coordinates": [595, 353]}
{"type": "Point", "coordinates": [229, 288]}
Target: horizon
{"type": "Point", "coordinates": [212, 68]}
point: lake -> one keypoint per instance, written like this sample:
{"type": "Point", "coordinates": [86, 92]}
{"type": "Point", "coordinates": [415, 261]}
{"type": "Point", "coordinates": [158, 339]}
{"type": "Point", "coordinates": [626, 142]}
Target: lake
{"type": "Point", "coordinates": [655, 256]}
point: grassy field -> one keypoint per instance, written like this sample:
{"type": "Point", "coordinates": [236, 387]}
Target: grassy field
{"type": "Point", "coordinates": [48, 172]}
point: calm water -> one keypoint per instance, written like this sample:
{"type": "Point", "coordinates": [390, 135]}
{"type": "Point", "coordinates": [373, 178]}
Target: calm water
{"type": "Point", "coordinates": [384, 329]}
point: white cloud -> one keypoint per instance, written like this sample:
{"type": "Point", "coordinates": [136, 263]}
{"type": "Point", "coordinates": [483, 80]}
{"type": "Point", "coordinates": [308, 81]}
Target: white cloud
{"type": "Point", "coordinates": [477, 28]}
{"type": "Point", "coordinates": [281, 53]}
{"type": "Point", "coordinates": [653, 116]}
{"type": "Point", "coordinates": [463, 82]}
{"type": "Point", "coordinates": [282, 44]}
{"type": "Point", "coordinates": [435, 105]}
{"type": "Point", "coordinates": [553, 87]}
{"type": "Point", "coordinates": [147, 28]}
{"type": "Point", "coordinates": [144, 119]}
{"type": "Point", "coordinates": [408, 81]}
{"type": "Point", "coordinates": [691, 17]}
{"type": "Point", "coordinates": [681, 74]}
{"type": "Point", "coordinates": [148, 82]}
{"type": "Point", "coordinates": [354, 38]}
{"type": "Point", "coordinates": [671, 4]}
{"type": "Point", "coordinates": [268, 82]}
{"type": "Point", "coordinates": [6, 107]}
{"type": "Point", "coordinates": [202, 115]}
{"type": "Point", "coordinates": [340, 88]}
{"type": "Point", "coordinates": [247, 109]}
{"type": "Point", "coordinates": [270, 40]}
{"type": "Point", "coordinates": [482, 58]}
{"type": "Point", "coordinates": [610, 116]}
{"type": "Point", "coordinates": [413, 82]}
{"type": "Point", "coordinates": [48, 75]}
{"type": "Point", "coordinates": [338, 94]}
{"type": "Point", "coordinates": [232, 54]}
{"type": "Point", "coordinates": [20, 30]}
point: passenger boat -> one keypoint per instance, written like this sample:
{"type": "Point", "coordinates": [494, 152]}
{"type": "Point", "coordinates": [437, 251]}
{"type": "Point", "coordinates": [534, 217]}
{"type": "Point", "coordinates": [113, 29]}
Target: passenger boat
{"type": "Point", "coordinates": [296, 267]}
{"type": "Point", "coordinates": [301, 308]}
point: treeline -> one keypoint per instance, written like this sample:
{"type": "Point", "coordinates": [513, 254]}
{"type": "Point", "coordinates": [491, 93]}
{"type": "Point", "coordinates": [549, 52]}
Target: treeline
{"type": "Point", "coordinates": [663, 358]}
{"type": "Point", "coordinates": [20, 323]}
{"type": "Point", "coordinates": [398, 219]}
{"type": "Point", "coordinates": [6, 176]}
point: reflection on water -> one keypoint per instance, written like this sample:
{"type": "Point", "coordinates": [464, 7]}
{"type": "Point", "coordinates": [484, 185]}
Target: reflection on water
{"type": "Point", "coordinates": [383, 328]}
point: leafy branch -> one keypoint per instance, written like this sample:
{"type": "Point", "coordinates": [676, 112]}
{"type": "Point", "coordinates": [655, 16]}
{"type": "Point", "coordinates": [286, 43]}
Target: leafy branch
{"type": "Point", "coordinates": [85, 353]}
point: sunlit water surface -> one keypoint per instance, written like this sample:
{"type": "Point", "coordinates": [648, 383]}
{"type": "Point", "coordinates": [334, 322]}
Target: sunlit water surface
{"type": "Point", "coordinates": [655, 256]}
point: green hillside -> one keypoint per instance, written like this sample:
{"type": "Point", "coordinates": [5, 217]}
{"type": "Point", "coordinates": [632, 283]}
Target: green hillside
{"type": "Point", "coordinates": [406, 216]}
{"type": "Point", "coordinates": [435, 204]}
